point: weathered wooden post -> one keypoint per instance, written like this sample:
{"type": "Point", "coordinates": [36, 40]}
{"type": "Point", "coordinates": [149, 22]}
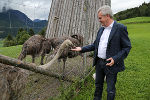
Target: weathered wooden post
{"type": "Point", "coordinates": [69, 17]}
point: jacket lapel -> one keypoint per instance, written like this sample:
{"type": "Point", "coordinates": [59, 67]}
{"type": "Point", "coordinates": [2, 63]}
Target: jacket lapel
{"type": "Point", "coordinates": [113, 30]}
{"type": "Point", "coordinates": [99, 35]}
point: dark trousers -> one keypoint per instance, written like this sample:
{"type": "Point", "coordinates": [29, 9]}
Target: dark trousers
{"type": "Point", "coordinates": [111, 78]}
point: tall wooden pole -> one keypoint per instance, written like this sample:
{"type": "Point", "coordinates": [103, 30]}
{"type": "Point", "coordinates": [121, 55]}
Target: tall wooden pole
{"type": "Point", "coordinates": [69, 17]}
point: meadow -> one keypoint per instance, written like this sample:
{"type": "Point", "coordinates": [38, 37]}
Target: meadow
{"type": "Point", "coordinates": [134, 82]}
{"type": "Point", "coordinates": [136, 20]}
{"type": "Point", "coordinates": [1, 43]}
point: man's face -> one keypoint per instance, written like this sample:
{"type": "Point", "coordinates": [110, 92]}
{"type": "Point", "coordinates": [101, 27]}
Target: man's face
{"type": "Point", "coordinates": [103, 19]}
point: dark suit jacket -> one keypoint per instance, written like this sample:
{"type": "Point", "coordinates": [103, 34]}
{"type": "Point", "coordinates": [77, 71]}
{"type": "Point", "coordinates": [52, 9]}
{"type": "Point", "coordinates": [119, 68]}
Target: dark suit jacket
{"type": "Point", "coordinates": [118, 46]}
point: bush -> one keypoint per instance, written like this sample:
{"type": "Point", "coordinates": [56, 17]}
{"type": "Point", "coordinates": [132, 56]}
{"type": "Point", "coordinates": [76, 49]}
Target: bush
{"type": "Point", "coordinates": [43, 32]}
{"type": "Point", "coordinates": [23, 38]}
{"type": "Point", "coordinates": [31, 32]}
{"type": "Point", "coordinates": [8, 43]}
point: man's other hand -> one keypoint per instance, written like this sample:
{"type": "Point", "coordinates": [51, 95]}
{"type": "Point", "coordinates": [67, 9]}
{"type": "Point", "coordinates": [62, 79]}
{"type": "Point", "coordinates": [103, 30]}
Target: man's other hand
{"type": "Point", "coordinates": [111, 62]}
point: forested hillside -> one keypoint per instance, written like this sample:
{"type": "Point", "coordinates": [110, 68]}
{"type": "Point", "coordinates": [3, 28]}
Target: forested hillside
{"type": "Point", "coordinates": [142, 10]}
{"type": "Point", "coordinates": [11, 20]}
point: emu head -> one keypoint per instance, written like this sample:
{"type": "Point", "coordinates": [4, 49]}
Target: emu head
{"type": "Point", "coordinates": [78, 37]}
{"type": "Point", "coordinates": [67, 43]}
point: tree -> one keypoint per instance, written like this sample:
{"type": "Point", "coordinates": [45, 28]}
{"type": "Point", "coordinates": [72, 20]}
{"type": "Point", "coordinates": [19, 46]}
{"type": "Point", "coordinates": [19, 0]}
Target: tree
{"type": "Point", "coordinates": [143, 10]}
{"type": "Point", "coordinates": [9, 37]}
{"type": "Point", "coordinates": [31, 32]}
{"type": "Point", "coordinates": [42, 32]}
{"type": "Point", "coordinates": [9, 41]}
{"type": "Point", "coordinates": [20, 29]}
{"type": "Point", "coordinates": [22, 37]}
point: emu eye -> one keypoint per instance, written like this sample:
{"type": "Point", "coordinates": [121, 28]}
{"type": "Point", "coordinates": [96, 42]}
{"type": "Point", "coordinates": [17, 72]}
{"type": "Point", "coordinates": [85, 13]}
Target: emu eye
{"type": "Point", "coordinates": [74, 36]}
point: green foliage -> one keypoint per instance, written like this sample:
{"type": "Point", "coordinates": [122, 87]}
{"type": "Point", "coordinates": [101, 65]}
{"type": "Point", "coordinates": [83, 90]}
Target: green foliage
{"type": "Point", "coordinates": [9, 37]}
{"type": "Point", "coordinates": [31, 32]}
{"type": "Point", "coordinates": [43, 32]}
{"type": "Point", "coordinates": [9, 41]}
{"type": "Point", "coordinates": [22, 36]}
{"type": "Point", "coordinates": [143, 10]}
{"type": "Point", "coordinates": [20, 29]}
{"type": "Point", "coordinates": [1, 43]}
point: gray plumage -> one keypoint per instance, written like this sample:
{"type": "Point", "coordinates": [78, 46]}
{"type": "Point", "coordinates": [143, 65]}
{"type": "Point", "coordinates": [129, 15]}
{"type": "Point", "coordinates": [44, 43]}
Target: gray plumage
{"type": "Point", "coordinates": [34, 46]}
{"type": "Point", "coordinates": [77, 41]}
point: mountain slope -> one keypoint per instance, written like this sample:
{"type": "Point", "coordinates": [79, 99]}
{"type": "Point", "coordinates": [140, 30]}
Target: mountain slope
{"type": "Point", "coordinates": [11, 20]}
{"type": "Point", "coordinates": [141, 11]}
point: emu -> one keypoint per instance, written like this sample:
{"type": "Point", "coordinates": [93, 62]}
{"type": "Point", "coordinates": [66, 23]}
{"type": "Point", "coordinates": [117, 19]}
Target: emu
{"type": "Point", "coordinates": [34, 46]}
{"type": "Point", "coordinates": [76, 40]}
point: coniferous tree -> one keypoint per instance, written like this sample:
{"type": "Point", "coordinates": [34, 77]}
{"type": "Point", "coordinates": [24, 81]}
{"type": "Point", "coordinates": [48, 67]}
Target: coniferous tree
{"type": "Point", "coordinates": [143, 10]}
{"type": "Point", "coordinates": [42, 32]}
{"type": "Point", "coordinates": [31, 32]}
{"type": "Point", "coordinates": [9, 41]}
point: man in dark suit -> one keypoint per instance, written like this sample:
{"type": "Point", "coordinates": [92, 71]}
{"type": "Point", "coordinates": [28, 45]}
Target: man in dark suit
{"type": "Point", "coordinates": [111, 47]}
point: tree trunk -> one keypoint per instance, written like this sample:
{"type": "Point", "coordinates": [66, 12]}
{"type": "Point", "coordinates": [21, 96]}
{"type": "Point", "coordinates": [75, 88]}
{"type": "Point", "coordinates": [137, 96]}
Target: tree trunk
{"type": "Point", "coordinates": [69, 17]}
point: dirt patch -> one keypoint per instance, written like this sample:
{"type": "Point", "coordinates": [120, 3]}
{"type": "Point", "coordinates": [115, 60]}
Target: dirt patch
{"type": "Point", "coordinates": [19, 84]}
{"type": "Point", "coordinates": [41, 87]}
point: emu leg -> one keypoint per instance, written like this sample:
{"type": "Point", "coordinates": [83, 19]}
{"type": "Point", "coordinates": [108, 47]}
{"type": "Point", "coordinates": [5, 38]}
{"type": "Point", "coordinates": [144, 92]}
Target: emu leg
{"type": "Point", "coordinates": [59, 60]}
{"type": "Point", "coordinates": [42, 58]}
{"type": "Point", "coordinates": [33, 58]}
{"type": "Point", "coordinates": [21, 56]}
{"type": "Point", "coordinates": [64, 62]}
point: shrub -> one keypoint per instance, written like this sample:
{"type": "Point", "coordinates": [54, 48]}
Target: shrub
{"type": "Point", "coordinates": [23, 38]}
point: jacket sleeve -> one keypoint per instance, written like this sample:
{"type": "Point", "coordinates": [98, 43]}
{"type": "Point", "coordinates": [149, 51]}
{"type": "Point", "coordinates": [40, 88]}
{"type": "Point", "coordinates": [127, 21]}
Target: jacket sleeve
{"type": "Point", "coordinates": [91, 47]}
{"type": "Point", "coordinates": [125, 45]}
{"type": "Point", "coordinates": [88, 48]}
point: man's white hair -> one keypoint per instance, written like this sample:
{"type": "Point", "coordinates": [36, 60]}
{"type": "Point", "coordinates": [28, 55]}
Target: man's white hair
{"type": "Point", "coordinates": [105, 10]}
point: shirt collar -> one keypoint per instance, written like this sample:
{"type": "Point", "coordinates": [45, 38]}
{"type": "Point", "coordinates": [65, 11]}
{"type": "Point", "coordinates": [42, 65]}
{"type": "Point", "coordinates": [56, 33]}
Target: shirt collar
{"type": "Point", "coordinates": [110, 26]}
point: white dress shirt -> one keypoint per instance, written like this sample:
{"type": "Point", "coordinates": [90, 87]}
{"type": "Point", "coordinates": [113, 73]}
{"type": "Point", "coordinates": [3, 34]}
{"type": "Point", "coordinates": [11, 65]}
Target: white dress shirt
{"type": "Point", "coordinates": [103, 41]}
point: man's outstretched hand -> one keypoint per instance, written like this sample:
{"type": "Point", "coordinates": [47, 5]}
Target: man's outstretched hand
{"type": "Point", "coordinates": [76, 49]}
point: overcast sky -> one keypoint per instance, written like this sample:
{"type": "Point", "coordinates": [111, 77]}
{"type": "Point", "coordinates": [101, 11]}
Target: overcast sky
{"type": "Point", "coordinates": [39, 9]}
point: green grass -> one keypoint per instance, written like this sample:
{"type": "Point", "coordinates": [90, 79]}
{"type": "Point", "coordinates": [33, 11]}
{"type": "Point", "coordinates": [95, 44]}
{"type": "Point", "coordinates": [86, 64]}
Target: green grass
{"type": "Point", "coordinates": [1, 43]}
{"type": "Point", "coordinates": [133, 83]}
{"type": "Point", "coordinates": [136, 20]}
{"type": "Point", "coordinates": [12, 51]}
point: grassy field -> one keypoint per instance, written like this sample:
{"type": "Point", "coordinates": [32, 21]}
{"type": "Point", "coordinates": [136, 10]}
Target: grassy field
{"type": "Point", "coordinates": [1, 43]}
{"type": "Point", "coordinates": [136, 20]}
{"type": "Point", "coordinates": [12, 51]}
{"type": "Point", "coordinates": [134, 82]}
